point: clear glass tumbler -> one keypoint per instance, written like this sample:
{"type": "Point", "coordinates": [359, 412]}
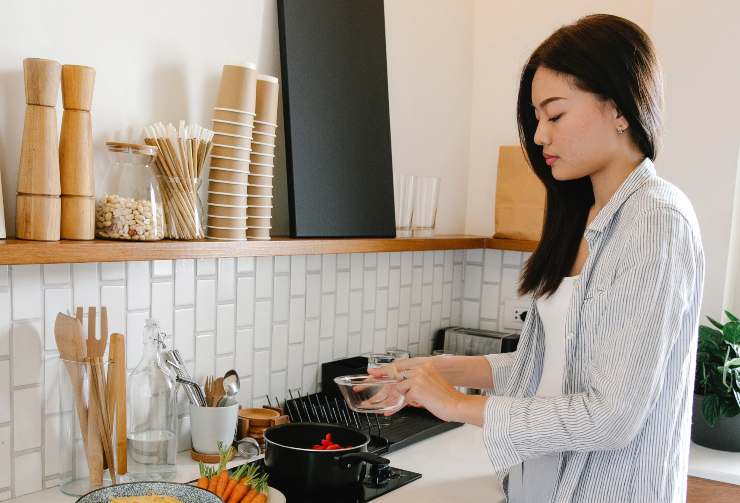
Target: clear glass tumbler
{"type": "Point", "coordinates": [426, 196]}
{"type": "Point", "coordinates": [76, 424]}
{"type": "Point", "coordinates": [403, 188]}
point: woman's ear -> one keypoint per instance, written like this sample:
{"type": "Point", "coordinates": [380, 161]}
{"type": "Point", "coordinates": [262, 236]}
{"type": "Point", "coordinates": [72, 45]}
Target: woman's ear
{"type": "Point", "coordinates": [620, 121]}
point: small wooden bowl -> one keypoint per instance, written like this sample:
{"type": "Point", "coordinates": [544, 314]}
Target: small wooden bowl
{"type": "Point", "coordinates": [259, 417]}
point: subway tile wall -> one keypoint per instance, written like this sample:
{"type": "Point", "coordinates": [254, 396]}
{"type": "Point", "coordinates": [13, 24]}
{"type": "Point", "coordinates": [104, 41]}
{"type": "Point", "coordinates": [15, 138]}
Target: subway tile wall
{"type": "Point", "coordinates": [273, 319]}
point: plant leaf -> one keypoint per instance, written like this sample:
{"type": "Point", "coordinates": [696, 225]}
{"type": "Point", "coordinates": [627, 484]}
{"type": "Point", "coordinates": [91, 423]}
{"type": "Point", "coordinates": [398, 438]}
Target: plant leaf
{"type": "Point", "coordinates": [710, 409]}
{"type": "Point", "coordinates": [731, 332]}
{"type": "Point", "coordinates": [715, 322]}
{"type": "Point", "coordinates": [730, 316]}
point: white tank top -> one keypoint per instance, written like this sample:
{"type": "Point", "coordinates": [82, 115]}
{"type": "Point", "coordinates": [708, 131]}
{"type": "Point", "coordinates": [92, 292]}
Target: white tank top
{"type": "Point", "coordinates": [534, 480]}
{"type": "Point", "coordinates": [553, 310]}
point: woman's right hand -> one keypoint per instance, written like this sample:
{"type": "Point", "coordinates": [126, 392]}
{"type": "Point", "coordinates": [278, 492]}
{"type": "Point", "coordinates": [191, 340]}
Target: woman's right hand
{"type": "Point", "coordinates": [395, 370]}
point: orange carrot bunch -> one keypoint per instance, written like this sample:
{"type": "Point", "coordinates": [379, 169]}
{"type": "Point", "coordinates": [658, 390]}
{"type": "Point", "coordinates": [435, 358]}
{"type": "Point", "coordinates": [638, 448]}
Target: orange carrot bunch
{"type": "Point", "coordinates": [245, 485]}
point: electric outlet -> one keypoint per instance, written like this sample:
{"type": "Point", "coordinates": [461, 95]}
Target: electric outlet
{"type": "Point", "coordinates": [514, 314]}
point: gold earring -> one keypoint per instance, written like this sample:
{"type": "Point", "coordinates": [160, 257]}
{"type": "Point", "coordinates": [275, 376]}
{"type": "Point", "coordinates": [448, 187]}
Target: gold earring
{"type": "Point", "coordinates": [620, 130]}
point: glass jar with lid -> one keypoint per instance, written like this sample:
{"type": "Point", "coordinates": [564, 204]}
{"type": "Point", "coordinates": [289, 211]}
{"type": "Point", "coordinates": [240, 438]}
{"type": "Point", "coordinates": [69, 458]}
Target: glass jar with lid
{"type": "Point", "coordinates": [131, 209]}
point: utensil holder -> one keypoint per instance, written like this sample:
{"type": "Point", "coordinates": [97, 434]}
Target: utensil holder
{"type": "Point", "coordinates": [210, 425]}
{"type": "Point", "coordinates": [74, 392]}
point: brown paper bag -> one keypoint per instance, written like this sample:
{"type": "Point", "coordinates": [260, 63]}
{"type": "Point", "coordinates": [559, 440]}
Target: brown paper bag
{"type": "Point", "coordinates": [520, 197]}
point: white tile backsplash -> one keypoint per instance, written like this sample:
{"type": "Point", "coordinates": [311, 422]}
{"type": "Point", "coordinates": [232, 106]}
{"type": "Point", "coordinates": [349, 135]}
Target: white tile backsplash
{"type": "Point", "coordinates": [56, 300]}
{"type": "Point", "coordinates": [184, 334]}
{"type": "Point", "coordinates": [184, 282]}
{"type": "Point", "coordinates": [297, 319]}
{"type": "Point", "coordinates": [27, 355]}
{"type": "Point", "coordinates": [245, 265]}
{"type": "Point", "coordinates": [26, 418]}
{"type": "Point", "coordinates": [245, 301]}
{"type": "Point", "coordinates": [205, 305]}
{"type": "Point", "coordinates": [161, 268]}
{"type": "Point", "coordinates": [137, 285]}
{"type": "Point", "coordinates": [225, 279]}
{"type": "Point", "coordinates": [5, 451]}
{"type": "Point", "coordinates": [113, 271]}
{"type": "Point", "coordinates": [225, 329]}
{"type": "Point", "coordinates": [264, 277]}
{"type": "Point", "coordinates": [56, 274]}
{"type": "Point", "coordinates": [28, 473]}
{"type": "Point", "coordinates": [262, 324]}
{"type": "Point", "coordinates": [298, 275]}
{"type": "Point", "coordinates": [163, 305]}
{"type": "Point", "coordinates": [114, 298]}
{"type": "Point", "coordinates": [5, 407]}
{"type": "Point", "coordinates": [206, 267]}
{"type": "Point", "coordinates": [273, 319]}
{"type": "Point", "coordinates": [85, 282]}
{"type": "Point", "coordinates": [281, 299]}
{"type": "Point", "coordinates": [328, 273]}
{"type": "Point", "coordinates": [26, 292]}
{"type": "Point", "coordinates": [5, 322]}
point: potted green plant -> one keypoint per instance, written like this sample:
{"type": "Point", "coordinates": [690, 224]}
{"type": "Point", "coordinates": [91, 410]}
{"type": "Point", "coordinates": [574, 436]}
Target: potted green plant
{"type": "Point", "coordinates": [716, 421]}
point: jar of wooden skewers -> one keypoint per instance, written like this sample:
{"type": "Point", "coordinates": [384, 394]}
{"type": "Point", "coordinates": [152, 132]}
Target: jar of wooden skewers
{"type": "Point", "coordinates": [183, 152]}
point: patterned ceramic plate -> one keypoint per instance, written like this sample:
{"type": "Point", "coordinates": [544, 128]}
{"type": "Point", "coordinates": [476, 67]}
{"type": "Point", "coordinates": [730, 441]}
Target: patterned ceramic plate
{"type": "Point", "coordinates": [184, 492]}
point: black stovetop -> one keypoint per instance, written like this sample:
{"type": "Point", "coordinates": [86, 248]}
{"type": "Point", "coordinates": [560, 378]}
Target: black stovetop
{"type": "Point", "coordinates": [360, 493]}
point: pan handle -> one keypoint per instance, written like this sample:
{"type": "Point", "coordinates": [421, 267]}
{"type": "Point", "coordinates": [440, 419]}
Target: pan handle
{"type": "Point", "coordinates": [349, 460]}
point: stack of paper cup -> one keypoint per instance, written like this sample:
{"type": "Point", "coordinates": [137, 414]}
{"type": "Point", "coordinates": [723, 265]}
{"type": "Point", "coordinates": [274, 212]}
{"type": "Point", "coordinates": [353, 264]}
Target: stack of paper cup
{"type": "Point", "coordinates": [262, 159]}
{"type": "Point", "coordinates": [228, 179]}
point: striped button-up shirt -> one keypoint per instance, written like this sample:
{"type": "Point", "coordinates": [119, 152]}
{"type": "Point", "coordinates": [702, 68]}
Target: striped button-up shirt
{"type": "Point", "coordinates": [621, 427]}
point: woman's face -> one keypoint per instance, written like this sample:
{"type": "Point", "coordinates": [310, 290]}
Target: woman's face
{"type": "Point", "coordinates": [576, 129]}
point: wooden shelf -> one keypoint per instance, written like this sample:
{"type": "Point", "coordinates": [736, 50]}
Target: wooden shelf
{"type": "Point", "coordinates": [511, 244]}
{"type": "Point", "coordinates": [15, 251]}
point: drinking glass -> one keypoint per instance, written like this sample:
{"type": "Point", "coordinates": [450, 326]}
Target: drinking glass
{"type": "Point", "coordinates": [426, 196]}
{"type": "Point", "coordinates": [403, 189]}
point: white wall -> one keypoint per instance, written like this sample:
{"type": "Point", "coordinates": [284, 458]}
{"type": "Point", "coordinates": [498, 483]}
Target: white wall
{"type": "Point", "coordinates": [506, 33]}
{"type": "Point", "coordinates": [697, 43]}
{"type": "Point", "coordinates": [155, 61]}
{"type": "Point", "coordinates": [429, 80]}
{"type": "Point", "coordinates": [161, 61]}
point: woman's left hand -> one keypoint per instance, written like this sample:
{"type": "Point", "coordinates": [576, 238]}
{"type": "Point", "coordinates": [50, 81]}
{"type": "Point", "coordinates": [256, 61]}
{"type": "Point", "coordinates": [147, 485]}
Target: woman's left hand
{"type": "Point", "coordinates": [424, 386]}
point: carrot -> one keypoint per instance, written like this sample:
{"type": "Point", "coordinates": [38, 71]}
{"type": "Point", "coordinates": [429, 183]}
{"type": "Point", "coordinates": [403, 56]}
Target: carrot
{"type": "Point", "coordinates": [221, 480]}
{"type": "Point", "coordinates": [233, 480]}
{"type": "Point", "coordinates": [250, 495]}
{"type": "Point", "coordinates": [259, 487]}
{"type": "Point", "coordinates": [203, 479]}
{"type": "Point", "coordinates": [222, 476]}
{"type": "Point", "coordinates": [242, 488]}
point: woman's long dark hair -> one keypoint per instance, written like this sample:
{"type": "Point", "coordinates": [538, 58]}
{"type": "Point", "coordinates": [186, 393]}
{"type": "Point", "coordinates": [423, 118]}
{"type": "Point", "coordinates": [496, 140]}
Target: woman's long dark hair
{"type": "Point", "coordinates": [613, 58]}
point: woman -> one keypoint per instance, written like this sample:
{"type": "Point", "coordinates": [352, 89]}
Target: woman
{"type": "Point", "coordinates": [595, 404]}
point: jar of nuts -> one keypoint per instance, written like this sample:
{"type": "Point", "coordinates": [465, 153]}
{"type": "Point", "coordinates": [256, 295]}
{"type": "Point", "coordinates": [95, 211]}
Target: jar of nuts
{"type": "Point", "coordinates": [132, 207]}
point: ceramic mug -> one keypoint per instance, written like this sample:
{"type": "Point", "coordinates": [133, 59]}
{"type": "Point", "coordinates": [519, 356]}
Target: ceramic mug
{"type": "Point", "coordinates": [211, 425]}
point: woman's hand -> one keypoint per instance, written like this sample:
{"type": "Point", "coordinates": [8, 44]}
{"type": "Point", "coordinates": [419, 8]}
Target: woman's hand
{"type": "Point", "coordinates": [424, 386]}
{"type": "Point", "coordinates": [394, 369]}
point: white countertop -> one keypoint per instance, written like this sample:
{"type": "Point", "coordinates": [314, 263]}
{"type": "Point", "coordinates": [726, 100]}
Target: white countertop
{"type": "Point", "coordinates": [454, 467]}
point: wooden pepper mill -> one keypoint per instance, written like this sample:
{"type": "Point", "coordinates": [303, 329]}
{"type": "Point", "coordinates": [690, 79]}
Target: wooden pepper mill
{"type": "Point", "coordinates": [76, 153]}
{"type": "Point", "coordinates": [38, 207]}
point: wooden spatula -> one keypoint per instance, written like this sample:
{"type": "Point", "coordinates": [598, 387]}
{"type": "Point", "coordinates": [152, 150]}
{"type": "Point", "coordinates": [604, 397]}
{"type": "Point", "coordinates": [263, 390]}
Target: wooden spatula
{"type": "Point", "coordinates": [68, 335]}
